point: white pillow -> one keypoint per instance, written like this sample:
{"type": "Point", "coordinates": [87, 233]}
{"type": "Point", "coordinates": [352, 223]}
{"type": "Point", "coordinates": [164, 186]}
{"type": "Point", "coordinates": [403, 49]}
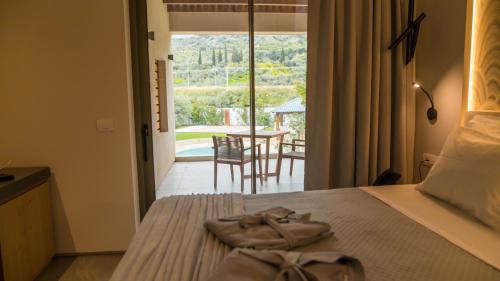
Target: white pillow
{"type": "Point", "coordinates": [486, 124]}
{"type": "Point", "coordinates": [467, 175]}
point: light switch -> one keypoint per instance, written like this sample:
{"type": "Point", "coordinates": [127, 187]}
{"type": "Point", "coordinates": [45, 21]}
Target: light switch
{"type": "Point", "coordinates": [105, 125]}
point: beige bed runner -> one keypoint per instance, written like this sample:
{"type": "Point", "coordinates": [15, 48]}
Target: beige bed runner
{"type": "Point", "coordinates": [172, 243]}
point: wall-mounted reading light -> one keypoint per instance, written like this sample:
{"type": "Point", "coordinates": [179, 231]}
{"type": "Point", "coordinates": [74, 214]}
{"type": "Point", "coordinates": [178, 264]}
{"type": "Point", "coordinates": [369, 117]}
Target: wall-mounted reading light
{"type": "Point", "coordinates": [431, 112]}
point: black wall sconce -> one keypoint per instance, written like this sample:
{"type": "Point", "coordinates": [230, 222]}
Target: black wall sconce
{"type": "Point", "coordinates": [432, 113]}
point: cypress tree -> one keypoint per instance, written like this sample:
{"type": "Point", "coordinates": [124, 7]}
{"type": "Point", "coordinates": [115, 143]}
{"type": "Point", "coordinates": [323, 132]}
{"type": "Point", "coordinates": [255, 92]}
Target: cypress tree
{"type": "Point", "coordinates": [225, 54]}
{"type": "Point", "coordinates": [220, 56]}
{"type": "Point", "coordinates": [234, 55]}
{"type": "Point", "coordinates": [214, 61]}
{"type": "Point", "coordinates": [282, 57]}
{"type": "Point", "coordinates": [200, 60]}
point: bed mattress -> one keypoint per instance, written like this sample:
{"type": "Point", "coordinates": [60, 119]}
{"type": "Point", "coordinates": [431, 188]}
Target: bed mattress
{"type": "Point", "coordinates": [390, 245]}
{"type": "Point", "coordinates": [444, 219]}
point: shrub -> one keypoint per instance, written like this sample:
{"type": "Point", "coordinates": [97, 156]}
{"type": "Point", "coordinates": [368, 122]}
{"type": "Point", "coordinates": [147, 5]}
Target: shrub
{"type": "Point", "coordinates": [203, 105]}
{"type": "Point", "coordinates": [183, 110]}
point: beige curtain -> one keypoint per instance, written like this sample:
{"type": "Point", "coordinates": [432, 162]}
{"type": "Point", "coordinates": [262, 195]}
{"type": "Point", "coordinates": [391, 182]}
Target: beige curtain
{"type": "Point", "coordinates": [360, 102]}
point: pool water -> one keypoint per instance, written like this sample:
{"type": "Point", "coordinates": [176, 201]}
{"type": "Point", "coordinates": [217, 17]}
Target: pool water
{"type": "Point", "coordinates": [200, 151]}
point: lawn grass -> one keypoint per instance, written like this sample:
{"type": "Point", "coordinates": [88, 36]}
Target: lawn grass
{"type": "Point", "coordinates": [194, 135]}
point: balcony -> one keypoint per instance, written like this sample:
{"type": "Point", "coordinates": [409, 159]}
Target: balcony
{"type": "Point", "coordinates": [197, 177]}
{"type": "Point", "coordinates": [211, 98]}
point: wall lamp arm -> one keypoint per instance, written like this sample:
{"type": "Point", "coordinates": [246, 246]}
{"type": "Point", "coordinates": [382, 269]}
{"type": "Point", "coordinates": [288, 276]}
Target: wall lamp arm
{"type": "Point", "coordinates": [431, 112]}
{"type": "Point", "coordinates": [431, 100]}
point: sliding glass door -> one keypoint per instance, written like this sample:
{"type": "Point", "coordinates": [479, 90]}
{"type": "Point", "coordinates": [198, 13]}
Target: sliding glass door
{"type": "Point", "coordinates": [238, 83]}
{"type": "Point", "coordinates": [280, 52]}
{"type": "Point", "coordinates": [211, 97]}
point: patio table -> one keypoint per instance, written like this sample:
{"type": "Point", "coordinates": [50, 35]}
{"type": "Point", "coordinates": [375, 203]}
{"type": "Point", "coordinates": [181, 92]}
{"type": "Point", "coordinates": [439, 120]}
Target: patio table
{"type": "Point", "coordinates": [267, 135]}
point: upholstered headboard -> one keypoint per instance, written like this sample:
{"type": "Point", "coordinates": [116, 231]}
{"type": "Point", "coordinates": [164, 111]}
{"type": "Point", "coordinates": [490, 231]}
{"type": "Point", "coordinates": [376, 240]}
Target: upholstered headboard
{"type": "Point", "coordinates": [482, 56]}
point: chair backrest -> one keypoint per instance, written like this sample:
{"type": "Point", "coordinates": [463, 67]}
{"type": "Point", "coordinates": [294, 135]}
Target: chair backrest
{"type": "Point", "coordinates": [230, 148]}
{"type": "Point", "coordinates": [301, 147]}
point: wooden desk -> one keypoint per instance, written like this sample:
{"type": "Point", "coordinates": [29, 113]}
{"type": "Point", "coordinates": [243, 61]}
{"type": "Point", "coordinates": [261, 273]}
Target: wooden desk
{"type": "Point", "coordinates": [267, 135]}
{"type": "Point", "coordinates": [26, 228]}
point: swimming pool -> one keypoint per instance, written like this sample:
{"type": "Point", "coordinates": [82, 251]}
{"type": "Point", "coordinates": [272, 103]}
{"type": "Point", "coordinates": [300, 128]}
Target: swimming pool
{"type": "Point", "coordinates": [199, 151]}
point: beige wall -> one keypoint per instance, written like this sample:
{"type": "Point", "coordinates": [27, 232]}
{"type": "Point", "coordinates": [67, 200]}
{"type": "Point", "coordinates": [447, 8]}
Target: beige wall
{"type": "Point", "coordinates": [63, 65]}
{"type": "Point", "coordinates": [440, 66]}
{"type": "Point", "coordinates": [237, 22]}
{"type": "Point", "coordinates": [164, 143]}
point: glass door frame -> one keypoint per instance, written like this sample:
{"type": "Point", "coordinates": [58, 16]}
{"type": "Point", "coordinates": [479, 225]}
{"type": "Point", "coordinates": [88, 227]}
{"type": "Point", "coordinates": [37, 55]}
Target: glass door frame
{"type": "Point", "coordinates": [142, 101]}
{"type": "Point", "coordinates": [251, 63]}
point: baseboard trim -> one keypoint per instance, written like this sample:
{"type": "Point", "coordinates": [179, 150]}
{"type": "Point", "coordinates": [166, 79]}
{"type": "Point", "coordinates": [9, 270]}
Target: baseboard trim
{"type": "Point", "coordinates": [211, 158]}
{"type": "Point", "coordinates": [98, 253]}
{"type": "Point", "coordinates": [194, 158]}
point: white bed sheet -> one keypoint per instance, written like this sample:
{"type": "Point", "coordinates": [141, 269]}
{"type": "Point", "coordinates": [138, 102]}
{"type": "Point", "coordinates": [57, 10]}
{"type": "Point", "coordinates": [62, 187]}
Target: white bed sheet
{"type": "Point", "coordinates": [443, 219]}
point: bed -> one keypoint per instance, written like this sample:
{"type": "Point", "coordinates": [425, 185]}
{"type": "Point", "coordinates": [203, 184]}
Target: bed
{"type": "Point", "coordinates": [397, 233]}
{"type": "Point", "coordinates": [393, 242]}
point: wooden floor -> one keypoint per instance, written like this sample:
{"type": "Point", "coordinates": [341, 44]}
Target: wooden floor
{"type": "Point", "coordinates": [197, 177]}
{"type": "Point", "coordinates": [81, 268]}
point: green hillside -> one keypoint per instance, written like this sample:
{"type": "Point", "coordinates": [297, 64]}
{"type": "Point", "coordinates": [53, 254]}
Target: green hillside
{"type": "Point", "coordinates": [211, 72]}
{"type": "Point", "coordinates": [222, 60]}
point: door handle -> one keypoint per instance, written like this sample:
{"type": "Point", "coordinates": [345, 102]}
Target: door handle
{"type": "Point", "coordinates": [145, 134]}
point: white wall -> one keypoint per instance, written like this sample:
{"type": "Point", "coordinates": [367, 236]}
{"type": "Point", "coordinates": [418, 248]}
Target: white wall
{"type": "Point", "coordinates": [440, 66]}
{"type": "Point", "coordinates": [163, 143]}
{"type": "Point", "coordinates": [237, 22]}
{"type": "Point", "coordinates": [63, 65]}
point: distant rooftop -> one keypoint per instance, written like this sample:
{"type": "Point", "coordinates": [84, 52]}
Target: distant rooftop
{"type": "Point", "coordinates": [293, 106]}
